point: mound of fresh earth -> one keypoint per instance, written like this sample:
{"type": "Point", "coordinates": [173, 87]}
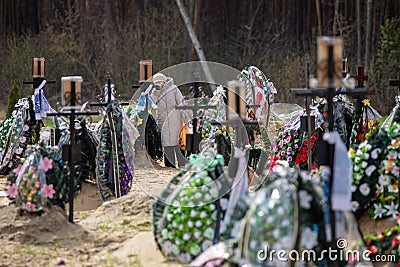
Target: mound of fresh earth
{"type": "Point", "coordinates": [117, 233]}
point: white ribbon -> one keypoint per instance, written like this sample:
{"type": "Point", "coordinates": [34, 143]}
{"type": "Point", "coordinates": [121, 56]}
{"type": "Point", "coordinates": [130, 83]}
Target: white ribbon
{"type": "Point", "coordinates": [239, 184]}
{"type": "Point", "coordinates": [342, 176]}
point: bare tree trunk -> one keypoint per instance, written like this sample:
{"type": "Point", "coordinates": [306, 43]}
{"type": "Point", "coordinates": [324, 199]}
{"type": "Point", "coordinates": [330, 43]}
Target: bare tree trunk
{"type": "Point", "coordinates": [319, 17]}
{"type": "Point", "coordinates": [335, 18]}
{"type": "Point", "coordinates": [196, 19]}
{"type": "Point", "coordinates": [358, 15]}
{"type": "Point", "coordinates": [195, 42]}
{"type": "Point", "coordinates": [368, 34]}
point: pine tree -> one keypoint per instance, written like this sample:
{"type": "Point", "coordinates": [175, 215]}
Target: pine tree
{"type": "Point", "coordinates": [13, 97]}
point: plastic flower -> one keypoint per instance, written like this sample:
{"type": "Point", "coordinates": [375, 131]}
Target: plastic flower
{"type": "Point", "coordinates": [370, 169]}
{"type": "Point", "coordinates": [175, 249]}
{"type": "Point", "coordinates": [29, 206]}
{"type": "Point", "coordinates": [393, 188]}
{"type": "Point", "coordinates": [309, 238]}
{"type": "Point", "coordinates": [378, 211]}
{"type": "Point", "coordinates": [354, 205]}
{"type": "Point", "coordinates": [395, 241]}
{"type": "Point", "coordinates": [19, 150]}
{"type": "Point", "coordinates": [223, 202]}
{"type": "Point", "coordinates": [206, 244]}
{"type": "Point", "coordinates": [195, 250]}
{"type": "Point", "coordinates": [48, 191]}
{"type": "Point", "coordinates": [12, 191]}
{"type": "Point", "coordinates": [392, 209]}
{"type": "Point", "coordinates": [375, 153]}
{"type": "Point", "coordinates": [18, 169]}
{"type": "Point", "coordinates": [364, 189]}
{"type": "Point", "coordinates": [167, 246]}
{"type": "Point", "coordinates": [46, 164]}
{"type": "Point", "coordinates": [209, 233]}
{"type": "Point", "coordinates": [305, 199]}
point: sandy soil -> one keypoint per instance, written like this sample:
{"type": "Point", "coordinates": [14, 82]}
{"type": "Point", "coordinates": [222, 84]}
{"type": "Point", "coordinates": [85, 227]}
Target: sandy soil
{"type": "Point", "coordinates": [114, 233]}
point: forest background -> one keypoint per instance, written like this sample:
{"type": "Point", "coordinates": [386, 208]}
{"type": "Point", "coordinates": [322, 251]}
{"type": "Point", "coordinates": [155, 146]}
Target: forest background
{"type": "Point", "coordinates": [93, 37]}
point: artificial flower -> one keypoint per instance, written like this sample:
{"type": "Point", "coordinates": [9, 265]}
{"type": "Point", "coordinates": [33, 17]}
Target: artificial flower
{"type": "Point", "coordinates": [309, 238]}
{"type": "Point", "coordinates": [392, 209]}
{"type": "Point", "coordinates": [18, 169]}
{"type": "Point", "coordinates": [354, 205]}
{"type": "Point", "coordinates": [12, 191]}
{"type": "Point", "coordinates": [370, 169]}
{"type": "Point", "coordinates": [378, 211]}
{"type": "Point", "coordinates": [364, 189]}
{"type": "Point", "coordinates": [48, 191]}
{"type": "Point", "coordinates": [305, 199]}
{"type": "Point", "coordinates": [46, 164]}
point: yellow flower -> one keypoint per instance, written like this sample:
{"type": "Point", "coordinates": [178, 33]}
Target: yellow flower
{"type": "Point", "coordinates": [29, 198]}
{"type": "Point", "coordinates": [371, 124]}
{"type": "Point", "coordinates": [366, 102]}
{"type": "Point", "coordinates": [219, 132]}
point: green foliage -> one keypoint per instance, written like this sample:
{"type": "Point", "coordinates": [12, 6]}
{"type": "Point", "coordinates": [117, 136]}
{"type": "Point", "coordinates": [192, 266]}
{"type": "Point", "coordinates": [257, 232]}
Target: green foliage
{"type": "Point", "coordinates": [386, 65]}
{"type": "Point", "coordinates": [13, 96]}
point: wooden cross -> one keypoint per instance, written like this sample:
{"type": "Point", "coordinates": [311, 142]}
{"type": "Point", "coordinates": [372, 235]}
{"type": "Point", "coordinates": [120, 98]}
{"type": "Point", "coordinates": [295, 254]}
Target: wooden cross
{"type": "Point", "coordinates": [360, 77]}
{"type": "Point", "coordinates": [395, 83]}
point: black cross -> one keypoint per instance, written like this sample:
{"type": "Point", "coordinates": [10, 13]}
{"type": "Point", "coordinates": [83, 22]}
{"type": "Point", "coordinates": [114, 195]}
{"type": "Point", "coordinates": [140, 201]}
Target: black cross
{"type": "Point", "coordinates": [192, 140]}
{"type": "Point", "coordinates": [72, 152]}
{"type": "Point", "coordinates": [109, 95]}
{"type": "Point", "coordinates": [329, 93]}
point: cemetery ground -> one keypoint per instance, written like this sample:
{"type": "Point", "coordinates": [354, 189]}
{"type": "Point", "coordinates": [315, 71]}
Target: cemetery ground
{"type": "Point", "coordinates": [115, 233]}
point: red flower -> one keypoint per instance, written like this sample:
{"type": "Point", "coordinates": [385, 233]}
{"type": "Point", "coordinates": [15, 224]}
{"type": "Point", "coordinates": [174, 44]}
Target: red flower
{"type": "Point", "coordinates": [303, 158]}
{"type": "Point", "coordinates": [372, 249]}
{"type": "Point", "coordinates": [314, 166]}
{"type": "Point", "coordinates": [369, 242]}
{"type": "Point", "coordinates": [381, 236]}
{"type": "Point", "coordinates": [395, 242]}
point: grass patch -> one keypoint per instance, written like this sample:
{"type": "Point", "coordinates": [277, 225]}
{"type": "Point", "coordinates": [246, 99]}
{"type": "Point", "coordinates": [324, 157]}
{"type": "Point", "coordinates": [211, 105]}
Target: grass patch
{"type": "Point", "coordinates": [134, 261]}
{"type": "Point", "coordinates": [144, 226]}
{"type": "Point", "coordinates": [24, 250]}
{"type": "Point", "coordinates": [106, 227]}
{"type": "Point", "coordinates": [126, 223]}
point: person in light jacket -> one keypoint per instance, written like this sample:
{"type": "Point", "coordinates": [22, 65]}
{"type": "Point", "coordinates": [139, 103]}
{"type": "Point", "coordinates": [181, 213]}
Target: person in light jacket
{"type": "Point", "coordinates": [169, 120]}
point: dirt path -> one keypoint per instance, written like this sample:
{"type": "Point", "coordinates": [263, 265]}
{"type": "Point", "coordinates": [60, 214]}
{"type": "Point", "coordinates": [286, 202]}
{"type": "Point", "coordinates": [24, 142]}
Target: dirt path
{"type": "Point", "coordinates": [115, 233]}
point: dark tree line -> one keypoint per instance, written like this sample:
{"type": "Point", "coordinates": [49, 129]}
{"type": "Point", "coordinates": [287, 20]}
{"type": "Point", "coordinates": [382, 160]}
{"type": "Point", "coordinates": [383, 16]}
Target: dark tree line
{"type": "Point", "coordinates": [94, 37]}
